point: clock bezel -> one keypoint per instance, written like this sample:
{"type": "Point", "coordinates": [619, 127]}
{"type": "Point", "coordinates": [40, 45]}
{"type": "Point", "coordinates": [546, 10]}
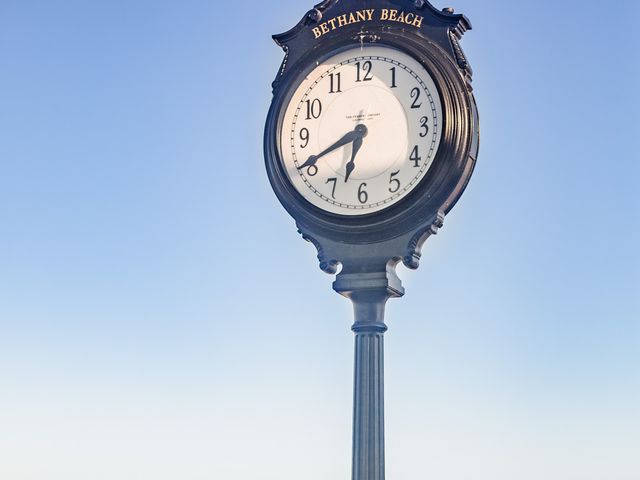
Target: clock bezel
{"type": "Point", "coordinates": [440, 187]}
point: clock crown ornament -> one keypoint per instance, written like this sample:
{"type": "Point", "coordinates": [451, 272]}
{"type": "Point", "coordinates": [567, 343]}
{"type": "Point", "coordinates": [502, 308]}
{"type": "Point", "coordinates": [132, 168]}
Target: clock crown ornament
{"type": "Point", "coordinates": [336, 17]}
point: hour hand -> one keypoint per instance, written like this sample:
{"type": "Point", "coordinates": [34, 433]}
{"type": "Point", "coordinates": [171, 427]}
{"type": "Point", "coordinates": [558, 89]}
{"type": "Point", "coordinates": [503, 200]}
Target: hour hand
{"type": "Point", "coordinates": [352, 163]}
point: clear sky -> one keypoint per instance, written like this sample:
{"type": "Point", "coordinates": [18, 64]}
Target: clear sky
{"type": "Point", "coordinates": [160, 318]}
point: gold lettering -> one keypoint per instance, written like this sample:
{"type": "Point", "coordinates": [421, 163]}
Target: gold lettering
{"type": "Point", "coordinates": [418, 21]}
{"type": "Point", "coordinates": [356, 17]}
{"type": "Point", "coordinates": [393, 15]}
{"type": "Point", "coordinates": [401, 17]}
{"type": "Point", "coordinates": [409, 18]}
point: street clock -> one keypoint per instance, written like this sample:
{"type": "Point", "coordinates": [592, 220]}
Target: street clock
{"type": "Point", "coordinates": [371, 139]}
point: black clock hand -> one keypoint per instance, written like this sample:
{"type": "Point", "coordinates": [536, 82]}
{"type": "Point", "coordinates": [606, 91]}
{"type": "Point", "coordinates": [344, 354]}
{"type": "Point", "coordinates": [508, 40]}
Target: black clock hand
{"type": "Point", "coordinates": [352, 164]}
{"type": "Point", "coordinates": [359, 132]}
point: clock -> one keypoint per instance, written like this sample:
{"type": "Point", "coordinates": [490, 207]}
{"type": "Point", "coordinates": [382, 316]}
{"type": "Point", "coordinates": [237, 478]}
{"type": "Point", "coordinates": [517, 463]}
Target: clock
{"type": "Point", "coordinates": [361, 130]}
{"type": "Point", "coordinates": [372, 132]}
{"type": "Point", "coordinates": [371, 139]}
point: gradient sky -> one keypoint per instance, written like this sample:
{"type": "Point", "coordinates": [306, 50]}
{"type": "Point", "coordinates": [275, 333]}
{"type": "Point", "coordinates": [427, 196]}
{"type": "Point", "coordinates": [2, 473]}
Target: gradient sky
{"type": "Point", "coordinates": [160, 318]}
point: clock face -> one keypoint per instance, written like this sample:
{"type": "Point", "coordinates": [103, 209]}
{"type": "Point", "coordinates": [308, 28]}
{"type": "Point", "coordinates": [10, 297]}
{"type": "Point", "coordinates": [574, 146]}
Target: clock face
{"type": "Point", "coordinates": [361, 130]}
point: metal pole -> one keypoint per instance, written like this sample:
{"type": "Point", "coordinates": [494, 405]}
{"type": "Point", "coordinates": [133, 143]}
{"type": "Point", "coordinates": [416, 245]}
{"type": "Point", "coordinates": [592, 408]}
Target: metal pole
{"type": "Point", "coordinates": [368, 286]}
{"type": "Point", "coordinates": [368, 395]}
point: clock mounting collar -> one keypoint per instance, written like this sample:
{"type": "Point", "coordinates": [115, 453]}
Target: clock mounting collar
{"type": "Point", "coordinates": [333, 21]}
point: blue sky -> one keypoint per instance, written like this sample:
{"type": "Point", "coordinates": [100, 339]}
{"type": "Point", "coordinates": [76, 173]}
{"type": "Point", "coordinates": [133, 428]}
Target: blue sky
{"type": "Point", "coordinates": [160, 317]}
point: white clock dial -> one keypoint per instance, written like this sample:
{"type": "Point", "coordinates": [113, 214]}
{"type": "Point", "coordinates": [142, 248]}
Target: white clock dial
{"type": "Point", "coordinates": [361, 130]}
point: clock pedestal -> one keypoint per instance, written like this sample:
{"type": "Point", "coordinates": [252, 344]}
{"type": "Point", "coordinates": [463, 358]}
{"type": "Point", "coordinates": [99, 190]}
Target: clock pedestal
{"type": "Point", "coordinates": [368, 278]}
{"type": "Point", "coordinates": [368, 407]}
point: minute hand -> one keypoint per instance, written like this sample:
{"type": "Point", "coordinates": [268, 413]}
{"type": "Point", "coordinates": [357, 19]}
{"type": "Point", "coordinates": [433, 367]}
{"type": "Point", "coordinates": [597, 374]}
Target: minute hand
{"type": "Point", "coordinates": [346, 139]}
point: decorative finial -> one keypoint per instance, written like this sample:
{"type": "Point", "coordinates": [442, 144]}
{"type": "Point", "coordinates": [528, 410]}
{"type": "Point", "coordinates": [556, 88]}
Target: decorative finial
{"type": "Point", "coordinates": [314, 15]}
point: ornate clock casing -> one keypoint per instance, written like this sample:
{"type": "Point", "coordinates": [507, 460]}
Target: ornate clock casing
{"type": "Point", "coordinates": [372, 236]}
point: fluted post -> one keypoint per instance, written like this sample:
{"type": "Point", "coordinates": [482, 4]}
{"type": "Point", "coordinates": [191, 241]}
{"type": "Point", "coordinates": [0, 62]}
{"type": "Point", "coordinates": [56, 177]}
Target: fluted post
{"type": "Point", "coordinates": [368, 396]}
{"type": "Point", "coordinates": [369, 292]}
